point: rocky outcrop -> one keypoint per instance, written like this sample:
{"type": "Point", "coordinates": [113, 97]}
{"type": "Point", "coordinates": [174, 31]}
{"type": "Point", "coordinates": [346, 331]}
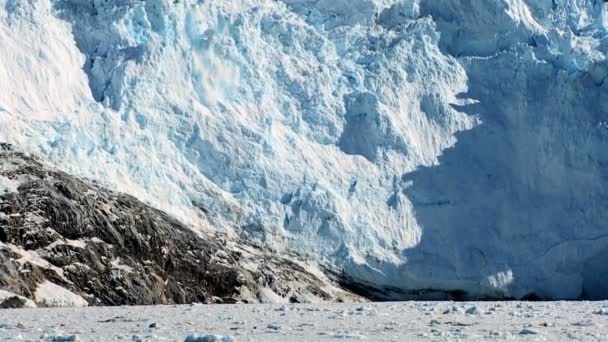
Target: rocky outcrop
{"type": "Point", "coordinates": [109, 248]}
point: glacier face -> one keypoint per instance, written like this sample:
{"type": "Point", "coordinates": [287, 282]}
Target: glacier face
{"type": "Point", "coordinates": [414, 144]}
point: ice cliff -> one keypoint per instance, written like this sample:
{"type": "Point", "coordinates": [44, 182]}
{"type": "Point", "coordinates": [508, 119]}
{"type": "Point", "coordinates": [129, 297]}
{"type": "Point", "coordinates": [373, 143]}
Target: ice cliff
{"type": "Point", "coordinates": [437, 145]}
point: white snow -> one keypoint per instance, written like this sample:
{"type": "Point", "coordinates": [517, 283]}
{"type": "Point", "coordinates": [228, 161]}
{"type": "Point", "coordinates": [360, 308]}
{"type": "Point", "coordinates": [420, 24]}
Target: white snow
{"type": "Point", "coordinates": [268, 296]}
{"type": "Point", "coordinates": [407, 321]}
{"type": "Point", "coordinates": [8, 185]}
{"type": "Point", "coordinates": [418, 144]}
{"type": "Point", "coordinates": [32, 257]}
{"type": "Point", "coordinates": [53, 295]}
{"type": "Point", "coordinates": [73, 243]}
{"type": "Point", "coordinates": [35, 81]}
{"type": "Point", "coordinates": [117, 265]}
{"type": "Point", "coordinates": [77, 243]}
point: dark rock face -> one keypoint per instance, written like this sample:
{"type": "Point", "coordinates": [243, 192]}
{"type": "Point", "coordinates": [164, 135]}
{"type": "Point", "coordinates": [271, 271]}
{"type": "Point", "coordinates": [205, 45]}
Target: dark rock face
{"type": "Point", "coordinates": [112, 249]}
{"type": "Point", "coordinates": [13, 302]}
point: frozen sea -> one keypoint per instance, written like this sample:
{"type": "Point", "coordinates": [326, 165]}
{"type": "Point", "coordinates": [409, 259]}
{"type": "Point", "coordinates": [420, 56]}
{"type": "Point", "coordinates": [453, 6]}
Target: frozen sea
{"type": "Point", "coordinates": [406, 321]}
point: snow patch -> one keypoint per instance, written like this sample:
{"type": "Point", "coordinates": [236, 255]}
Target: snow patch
{"type": "Point", "coordinates": [52, 295]}
{"type": "Point", "coordinates": [267, 296]}
{"type": "Point", "coordinates": [8, 185]}
{"type": "Point", "coordinates": [116, 265]}
{"type": "Point", "coordinates": [35, 259]}
{"type": "Point", "coordinates": [80, 244]}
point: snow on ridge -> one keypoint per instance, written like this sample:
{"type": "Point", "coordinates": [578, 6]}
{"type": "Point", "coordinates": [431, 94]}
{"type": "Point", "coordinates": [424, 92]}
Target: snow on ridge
{"type": "Point", "coordinates": [344, 131]}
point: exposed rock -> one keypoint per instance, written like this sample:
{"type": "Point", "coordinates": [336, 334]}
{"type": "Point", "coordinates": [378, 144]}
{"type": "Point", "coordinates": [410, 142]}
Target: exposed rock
{"type": "Point", "coordinates": [527, 331]}
{"type": "Point", "coordinates": [9, 300]}
{"type": "Point", "coordinates": [14, 302]}
{"type": "Point", "coordinates": [209, 338]}
{"type": "Point", "coordinates": [112, 249]}
{"type": "Point", "coordinates": [473, 311]}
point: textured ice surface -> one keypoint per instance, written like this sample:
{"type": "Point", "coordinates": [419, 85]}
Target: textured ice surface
{"type": "Point", "coordinates": [406, 321]}
{"type": "Point", "coordinates": [418, 144]}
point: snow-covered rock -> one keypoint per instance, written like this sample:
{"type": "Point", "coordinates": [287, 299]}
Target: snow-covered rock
{"type": "Point", "coordinates": [9, 300]}
{"type": "Point", "coordinates": [68, 242]}
{"type": "Point", "coordinates": [433, 145]}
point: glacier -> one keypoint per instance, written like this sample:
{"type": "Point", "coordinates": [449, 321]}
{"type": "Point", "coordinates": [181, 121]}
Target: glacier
{"type": "Point", "coordinates": [440, 145]}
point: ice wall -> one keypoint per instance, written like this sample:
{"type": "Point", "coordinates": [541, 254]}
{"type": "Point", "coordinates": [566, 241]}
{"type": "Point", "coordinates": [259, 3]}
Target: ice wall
{"type": "Point", "coordinates": [522, 194]}
{"type": "Point", "coordinates": [447, 145]}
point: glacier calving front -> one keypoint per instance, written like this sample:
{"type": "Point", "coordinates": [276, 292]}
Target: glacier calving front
{"type": "Point", "coordinates": [415, 144]}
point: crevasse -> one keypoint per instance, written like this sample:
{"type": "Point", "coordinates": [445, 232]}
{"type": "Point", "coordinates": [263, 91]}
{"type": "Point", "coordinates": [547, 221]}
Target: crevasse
{"type": "Point", "coordinates": [415, 145]}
